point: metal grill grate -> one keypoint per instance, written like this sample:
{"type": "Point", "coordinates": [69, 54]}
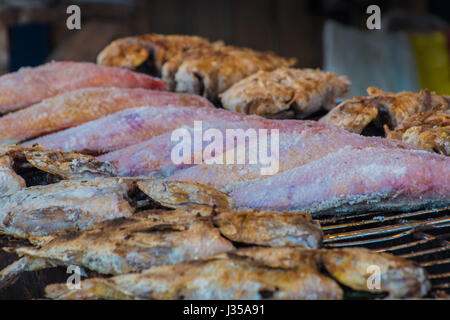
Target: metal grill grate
{"type": "Point", "coordinates": [423, 236]}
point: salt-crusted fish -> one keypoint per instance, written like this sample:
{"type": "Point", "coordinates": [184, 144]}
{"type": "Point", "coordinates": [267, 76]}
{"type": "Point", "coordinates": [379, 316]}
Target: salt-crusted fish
{"type": "Point", "coordinates": [354, 180]}
{"type": "Point", "coordinates": [309, 141]}
{"type": "Point", "coordinates": [129, 127]}
{"type": "Point", "coordinates": [125, 245]}
{"type": "Point", "coordinates": [285, 92]}
{"type": "Point", "coordinates": [31, 85]}
{"type": "Point", "coordinates": [76, 107]}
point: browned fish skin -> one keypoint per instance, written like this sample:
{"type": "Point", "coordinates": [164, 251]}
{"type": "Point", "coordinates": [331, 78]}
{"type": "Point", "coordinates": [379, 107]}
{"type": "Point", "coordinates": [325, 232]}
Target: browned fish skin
{"type": "Point", "coordinates": [224, 276]}
{"type": "Point", "coordinates": [421, 119]}
{"type": "Point", "coordinates": [352, 115]}
{"type": "Point", "coordinates": [152, 50]}
{"type": "Point", "coordinates": [429, 131]}
{"type": "Point", "coordinates": [259, 273]}
{"type": "Point", "coordinates": [131, 244]}
{"type": "Point", "coordinates": [269, 228]}
{"type": "Point", "coordinates": [68, 205]}
{"type": "Point", "coordinates": [175, 194]}
{"type": "Point", "coordinates": [271, 93]}
{"type": "Point", "coordinates": [399, 277]}
{"type": "Point", "coordinates": [210, 73]}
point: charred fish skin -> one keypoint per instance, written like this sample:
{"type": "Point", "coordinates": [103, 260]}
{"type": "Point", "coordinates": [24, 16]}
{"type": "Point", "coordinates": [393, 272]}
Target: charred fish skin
{"type": "Point", "coordinates": [79, 106]}
{"type": "Point", "coordinates": [354, 179]}
{"type": "Point", "coordinates": [226, 276]}
{"type": "Point", "coordinates": [132, 244]}
{"type": "Point", "coordinates": [41, 211]}
{"type": "Point", "coordinates": [32, 85]}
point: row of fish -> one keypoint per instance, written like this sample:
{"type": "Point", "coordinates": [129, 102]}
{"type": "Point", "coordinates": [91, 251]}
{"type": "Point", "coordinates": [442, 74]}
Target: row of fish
{"type": "Point", "coordinates": [189, 252]}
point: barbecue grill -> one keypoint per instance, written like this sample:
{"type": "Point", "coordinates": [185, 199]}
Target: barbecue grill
{"type": "Point", "coordinates": [422, 236]}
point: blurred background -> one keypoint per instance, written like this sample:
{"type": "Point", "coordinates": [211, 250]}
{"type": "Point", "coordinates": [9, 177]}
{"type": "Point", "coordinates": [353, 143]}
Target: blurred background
{"type": "Point", "coordinates": [411, 51]}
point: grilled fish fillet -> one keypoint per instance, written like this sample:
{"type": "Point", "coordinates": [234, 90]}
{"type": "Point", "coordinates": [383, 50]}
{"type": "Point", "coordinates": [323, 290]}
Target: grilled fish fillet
{"type": "Point", "coordinates": [65, 206]}
{"type": "Point", "coordinates": [76, 107]}
{"type": "Point", "coordinates": [149, 50]}
{"type": "Point", "coordinates": [209, 72]}
{"type": "Point", "coordinates": [128, 127]}
{"type": "Point", "coordinates": [354, 179]}
{"type": "Point", "coordinates": [275, 93]}
{"type": "Point", "coordinates": [224, 276]}
{"type": "Point", "coordinates": [306, 142]}
{"type": "Point", "coordinates": [31, 85]}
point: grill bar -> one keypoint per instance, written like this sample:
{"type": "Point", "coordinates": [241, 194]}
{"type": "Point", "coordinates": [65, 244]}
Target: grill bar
{"type": "Point", "coordinates": [422, 236]}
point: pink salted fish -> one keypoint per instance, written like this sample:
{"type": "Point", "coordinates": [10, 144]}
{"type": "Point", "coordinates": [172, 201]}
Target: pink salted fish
{"type": "Point", "coordinates": [299, 142]}
{"type": "Point", "coordinates": [76, 107]}
{"type": "Point", "coordinates": [309, 142]}
{"type": "Point", "coordinates": [354, 179]}
{"type": "Point", "coordinates": [153, 158]}
{"type": "Point", "coordinates": [31, 85]}
{"type": "Point", "coordinates": [128, 127]}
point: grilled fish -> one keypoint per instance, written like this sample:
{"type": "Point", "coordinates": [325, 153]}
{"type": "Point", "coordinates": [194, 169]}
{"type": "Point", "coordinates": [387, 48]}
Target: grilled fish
{"type": "Point", "coordinates": [210, 71]}
{"type": "Point", "coordinates": [354, 179]}
{"type": "Point", "coordinates": [32, 85]}
{"type": "Point", "coordinates": [352, 115]}
{"type": "Point", "coordinates": [425, 130]}
{"type": "Point", "coordinates": [224, 276]}
{"type": "Point", "coordinates": [125, 245]}
{"type": "Point", "coordinates": [71, 205]}
{"type": "Point", "coordinates": [285, 92]}
{"type": "Point", "coordinates": [259, 273]}
{"type": "Point", "coordinates": [420, 119]}
{"type": "Point", "coordinates": [268, 228]}
{"type": "Point", "coordinates": [128, 127]}
{"type": "Point", "coordinates": [149, 51]}
{"type": "Point", "coordinates": [353, 267]}
{"type": "Point", "coordinates": [67, 165]}
{"type": "Point", "coordinates": [174, 194]}
{"type": "Point", "coordinates": [76, 107]}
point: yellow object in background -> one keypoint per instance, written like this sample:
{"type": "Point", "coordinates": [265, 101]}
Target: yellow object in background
{"type": "Point", "coordinates": [432, 55]}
